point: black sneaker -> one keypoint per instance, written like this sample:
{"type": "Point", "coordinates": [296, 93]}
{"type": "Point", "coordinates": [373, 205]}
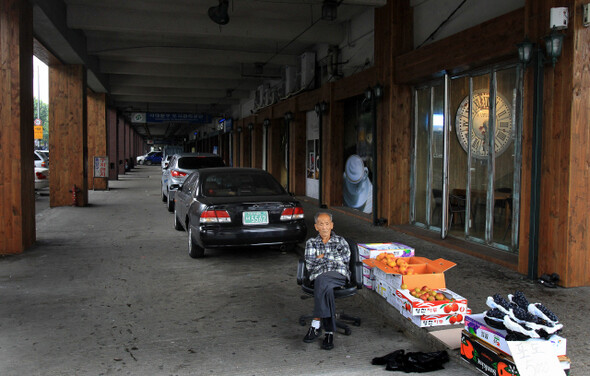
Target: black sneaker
{"type": "Point", "coordinates": [312, 334]}
{"type": "Point", "coordinates": [328, 343]}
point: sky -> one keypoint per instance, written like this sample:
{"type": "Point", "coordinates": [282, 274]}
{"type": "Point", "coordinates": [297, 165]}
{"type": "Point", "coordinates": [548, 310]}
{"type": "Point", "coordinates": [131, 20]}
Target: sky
{"type": "Point", "coordinates": [40, 80]}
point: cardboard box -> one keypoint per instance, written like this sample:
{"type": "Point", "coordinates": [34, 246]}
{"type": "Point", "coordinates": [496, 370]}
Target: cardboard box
{"type": "Point", "coordinates": [427, 272]}
{"type": "Point", "coordinates": [368, 277]}
{"type": "Point", "coordinates": [371, 250]}
{"type": "Point", "coordinates": [491, 361]}
{"type": "Point", "coordinates": [453, 305]}
{"type": "Point", "coordinates": [476, 325]}
{"type": "Point", "coordinates": [383, 288]}
{"type": "Point", "coordinates": [424, 321]}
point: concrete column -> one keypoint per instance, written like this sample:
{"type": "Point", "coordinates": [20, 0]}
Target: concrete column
{"type": "Point", "coordinates": [68, 135]}
{"type": "Point", "coordinates": [97, 137]}
{"type": "Point", "coordinates": [17, 212]}
{"type": "Point", "coordinates": [112, 140]}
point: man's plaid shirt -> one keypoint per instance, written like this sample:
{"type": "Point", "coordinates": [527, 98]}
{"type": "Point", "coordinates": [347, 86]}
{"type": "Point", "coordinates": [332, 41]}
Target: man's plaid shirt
{"type": "Point", "coordinates": [336, 256]}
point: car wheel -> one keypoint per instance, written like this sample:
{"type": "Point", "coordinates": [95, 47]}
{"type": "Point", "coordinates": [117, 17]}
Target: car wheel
{"type": "Point", "coordinates": [164, 198]}
{"type": "Point", "coordinates": [194, 250]}
{"type": "Point", "coordinates": [169, 203]}
{"type": "Point", "coordinates": [177, 224]}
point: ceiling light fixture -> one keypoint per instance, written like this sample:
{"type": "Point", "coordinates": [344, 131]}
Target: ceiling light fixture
{"type": "Point", "coordinates": [329, 10]}
{"type": "Point", "coordinates": [219, 13]}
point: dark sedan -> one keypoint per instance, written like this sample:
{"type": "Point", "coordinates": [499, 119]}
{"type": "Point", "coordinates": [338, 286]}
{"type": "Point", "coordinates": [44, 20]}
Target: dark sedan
{"type": "Point", "coordinates": [236, 207]}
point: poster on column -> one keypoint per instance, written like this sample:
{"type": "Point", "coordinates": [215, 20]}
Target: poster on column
{"type": "Point", "coordinates": [357, 189]}
{"type": "Point", "coordinates": [101, 167]}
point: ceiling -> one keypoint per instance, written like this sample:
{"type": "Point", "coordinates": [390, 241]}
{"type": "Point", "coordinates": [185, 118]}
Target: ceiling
{"type": "Point", "coordinates": [169, 56]}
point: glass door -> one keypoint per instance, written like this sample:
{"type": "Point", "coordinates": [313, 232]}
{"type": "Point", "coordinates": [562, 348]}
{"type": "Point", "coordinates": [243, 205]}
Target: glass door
{"type": "Point", "coordinates": [466, 160]}
{"type": "Point", "coordinates": [428, 166]}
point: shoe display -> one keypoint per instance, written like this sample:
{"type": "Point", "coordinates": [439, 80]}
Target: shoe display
{"type": "Point", "coordinates": [328, 343]}
{"type": "Point", "coordinates": [520, 318]}
{"type": "Point", "coordinates": [312, 334]}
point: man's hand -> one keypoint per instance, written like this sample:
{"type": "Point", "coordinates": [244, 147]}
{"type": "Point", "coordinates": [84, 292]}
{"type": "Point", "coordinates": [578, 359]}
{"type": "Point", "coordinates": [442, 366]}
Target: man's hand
{"type": "Point", "coordinates": [320, 256]}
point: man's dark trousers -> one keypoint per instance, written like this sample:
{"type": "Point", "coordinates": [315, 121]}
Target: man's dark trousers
{"type": "Point", "coordinates": [323, 296]}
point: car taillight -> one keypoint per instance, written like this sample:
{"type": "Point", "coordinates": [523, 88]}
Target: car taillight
{"type": "Point", "coordinates": [178, 174]}
{"type": "Point", "coordinates": [215, 216]}
{"type": "Point", "coordinates": [292, 213]}
{"type": "Point", "coordinates": [43, 164]}
{"type": "Point", "coordinates": [40, 175]}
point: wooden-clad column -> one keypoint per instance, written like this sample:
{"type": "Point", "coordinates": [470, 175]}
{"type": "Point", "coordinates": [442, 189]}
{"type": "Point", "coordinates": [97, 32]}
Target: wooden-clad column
{"type": "Point", "coordinates": [112, 140]}
{"type": "Point", "coordinates": [67, 138]}
{"type": "Point", "coordinates": [297, 154]}
{"type": "Point", "coordinates": [120, 145]}
{"type": "Point", "coordinates": [97, 137]}
{"type": "Point", "coordinates": [257, 146]}
{"type": "Point", "coordinates": [393, 37]}
{"type": "Point", "coordinates": [274, 148]}
{"type": "Point", "coordinates": [17, 212]}
{"type": "Point", "coordinates": [563, 244]}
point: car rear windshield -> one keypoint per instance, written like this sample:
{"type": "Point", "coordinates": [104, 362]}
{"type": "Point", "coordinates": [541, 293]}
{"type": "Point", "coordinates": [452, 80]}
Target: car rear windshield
{"type": "Point", "coordinates": [246, 184]}
{"type": "Point", "coordinates": [191, 163]}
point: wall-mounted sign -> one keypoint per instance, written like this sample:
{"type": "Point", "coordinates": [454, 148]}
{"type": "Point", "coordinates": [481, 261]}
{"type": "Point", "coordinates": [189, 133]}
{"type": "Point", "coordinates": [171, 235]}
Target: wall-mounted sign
{"type": "Point", "coordinates": [38, 132]}
{"type": "Point", "coordinates": [163, 117]}
{"type": "Point", "coordinates": [138, 117]}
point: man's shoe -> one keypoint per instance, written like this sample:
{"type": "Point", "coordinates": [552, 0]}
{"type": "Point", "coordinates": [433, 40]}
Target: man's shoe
{"type": "Point", "coordinates": [312, 334]}
{"type": "Point", "coordinates": [328, 343]}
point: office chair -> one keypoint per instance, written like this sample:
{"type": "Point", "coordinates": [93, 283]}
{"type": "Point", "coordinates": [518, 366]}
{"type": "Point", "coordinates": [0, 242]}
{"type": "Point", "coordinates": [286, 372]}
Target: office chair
{"type": "Point", "coordinates": [355, 283]}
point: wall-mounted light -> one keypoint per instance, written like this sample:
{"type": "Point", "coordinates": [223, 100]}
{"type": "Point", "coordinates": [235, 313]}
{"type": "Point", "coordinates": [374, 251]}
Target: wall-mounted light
{"type": "Point", "coordinates": [553, 47]}
{"type": "Point", "coordinates": [239, 129]}
{"type": "Point", "coordinates": [266, 122]}
{"type": "Point", "coordinates": [250, 126]}
{"type": "Point", "coordinates": [321, 107]}
{"type": "Point", "coordinates": [374, 92]}
{"type": "Point", "coordinates": [289, 116]}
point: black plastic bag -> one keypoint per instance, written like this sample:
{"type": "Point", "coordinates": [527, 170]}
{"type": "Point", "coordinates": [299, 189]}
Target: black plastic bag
{"type": "Point", "coordinates": [413, 361]}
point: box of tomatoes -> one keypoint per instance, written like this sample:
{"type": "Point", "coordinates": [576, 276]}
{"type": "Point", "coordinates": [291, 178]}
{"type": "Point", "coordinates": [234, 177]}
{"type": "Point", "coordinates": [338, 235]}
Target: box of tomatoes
{"type": "Point", "coordinates": [432, 301]}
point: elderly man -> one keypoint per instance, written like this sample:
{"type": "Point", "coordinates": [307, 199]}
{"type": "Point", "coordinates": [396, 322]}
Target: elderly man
{"type": "Point", "coordinates": [326, 258]}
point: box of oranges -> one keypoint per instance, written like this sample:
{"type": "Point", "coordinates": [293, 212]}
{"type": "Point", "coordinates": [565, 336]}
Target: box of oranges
{"type": "Point", "coordinates": [410, 271]}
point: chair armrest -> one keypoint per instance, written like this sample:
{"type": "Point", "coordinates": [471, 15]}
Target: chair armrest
{"type": "Point", "coordinates": [300, 271]}
{"type": "Point", "coordinates": [358, 272]}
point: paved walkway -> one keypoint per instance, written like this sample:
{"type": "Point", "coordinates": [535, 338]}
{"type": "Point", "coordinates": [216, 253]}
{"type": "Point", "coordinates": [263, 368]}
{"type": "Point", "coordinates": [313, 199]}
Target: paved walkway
{"type": "Point", "coordinates": [109, 289]}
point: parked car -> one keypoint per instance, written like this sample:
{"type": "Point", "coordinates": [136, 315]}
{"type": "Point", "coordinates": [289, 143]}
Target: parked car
{"type": "Point", "coordinates": [236, 207]}
{"type": "Point", "coordinates": [141, 158]}
{"type": "Point", "coordinates": [40, 160]}
{"type": "Point", "coordinates": [166, 160]}
{"type": "Point", "coordinates": [41, 177]}
{"type": "Point", "coordinates": [154, 158]}
{"type": "Point", "coordinates": [44, 153]}
{"type": "Point", "coordinates": [179, 167]}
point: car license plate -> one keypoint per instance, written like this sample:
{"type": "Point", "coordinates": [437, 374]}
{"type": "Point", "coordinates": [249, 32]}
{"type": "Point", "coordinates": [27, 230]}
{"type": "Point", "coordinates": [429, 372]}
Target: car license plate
{"type": "Point", "coordinates": [255, 217]}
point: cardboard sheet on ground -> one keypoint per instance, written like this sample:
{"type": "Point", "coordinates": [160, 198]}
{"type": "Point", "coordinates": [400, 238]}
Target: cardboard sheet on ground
{"type": "Point", "coordinates": [450, 337]}
{"type": "Point", "coordinates": [535, 358]}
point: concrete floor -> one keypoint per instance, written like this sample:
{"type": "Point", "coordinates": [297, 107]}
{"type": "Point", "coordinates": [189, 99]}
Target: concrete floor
{"type": "Point", "coordinates": [109, 289]}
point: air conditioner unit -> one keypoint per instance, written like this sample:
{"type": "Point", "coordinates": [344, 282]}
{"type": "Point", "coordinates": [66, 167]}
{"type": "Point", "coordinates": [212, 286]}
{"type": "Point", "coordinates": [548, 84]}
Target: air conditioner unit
{"type": "Point", "coordinates": [291, 84]}
{"type": "Point", "coordinates": [307, 69]}
{"type": "Point", "coordinates": [259, 97]}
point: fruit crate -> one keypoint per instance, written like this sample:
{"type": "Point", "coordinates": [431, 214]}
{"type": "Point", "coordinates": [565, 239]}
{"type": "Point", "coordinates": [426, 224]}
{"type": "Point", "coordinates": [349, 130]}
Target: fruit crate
{"type": "Point", "coordinates": [426, 272]}
{"type": "Point", "coordinates": [453, 304]}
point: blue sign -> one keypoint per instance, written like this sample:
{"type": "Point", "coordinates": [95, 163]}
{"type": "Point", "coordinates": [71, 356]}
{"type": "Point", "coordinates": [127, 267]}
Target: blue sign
{"type": "Point", "coordinates": [164, 117]}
